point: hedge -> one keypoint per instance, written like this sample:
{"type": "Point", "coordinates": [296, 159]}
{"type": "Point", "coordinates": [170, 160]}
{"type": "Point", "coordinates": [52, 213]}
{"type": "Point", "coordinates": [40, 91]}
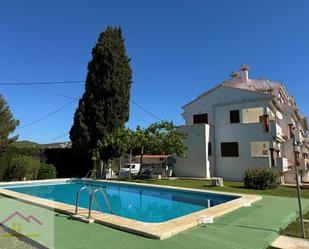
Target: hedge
{"type": "Point", "coordinates": [67, 163]}
{"type": "Point", "coordinates": [261, 178]}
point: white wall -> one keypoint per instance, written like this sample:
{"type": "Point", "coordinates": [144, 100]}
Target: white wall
{"type": "Point", "coordinates": [195, 163]}
{"type": "Point", "coordinates": [218, 105]}
{"type": "Point", "coordinates": [233, 168]}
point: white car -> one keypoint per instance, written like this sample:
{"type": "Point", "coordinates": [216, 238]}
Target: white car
{"type": "Point", "coordinates": [135, 167]}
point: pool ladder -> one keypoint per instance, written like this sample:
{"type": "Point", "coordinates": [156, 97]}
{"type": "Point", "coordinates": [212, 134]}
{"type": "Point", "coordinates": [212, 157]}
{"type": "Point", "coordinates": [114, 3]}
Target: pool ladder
{"type": "Point", "coordinates": [93, 198]}
{"type": "Point", "coordinates": [88, 188]}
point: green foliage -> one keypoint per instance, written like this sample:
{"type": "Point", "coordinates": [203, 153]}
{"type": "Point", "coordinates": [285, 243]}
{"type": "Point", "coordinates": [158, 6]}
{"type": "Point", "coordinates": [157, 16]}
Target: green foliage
{"type": "Point", "coordinates": [7, 124]}
{"type": "Point", "coordinates": [24, 168]}
{"type": "Point", "coordinates": [47, 171]}
{"type": "Point", "coordinates": [104, 107]}
{"type": "Point", "coordinates": [261, 178]}
{"type": "Point", "coordinates": [118, 143]}
{"type": "Point", "coordinates": [5, 160]}
{"type": "Point", "coordinates": [165, 138]}
{"type": "Point", "coordinates": [159, 138]}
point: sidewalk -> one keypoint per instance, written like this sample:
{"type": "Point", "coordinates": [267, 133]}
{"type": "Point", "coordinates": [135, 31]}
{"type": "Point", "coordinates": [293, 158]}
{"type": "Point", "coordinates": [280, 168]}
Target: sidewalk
{"type": "Point", "coordinates": [285, 242]}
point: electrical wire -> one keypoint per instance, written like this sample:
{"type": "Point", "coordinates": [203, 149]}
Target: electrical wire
{"type": "Point", "coordinates": [42, 83]}
{"type": "Point", "coordinates": [60, 136]}
{"type": "Point", "coordinates": [73, 99]}
{"type": "Point", "coordinates": [22, 83]}
{"type": "Point", "coordinates": [145, 110]}
{"type": "Point", "coordinates": [46, 116]}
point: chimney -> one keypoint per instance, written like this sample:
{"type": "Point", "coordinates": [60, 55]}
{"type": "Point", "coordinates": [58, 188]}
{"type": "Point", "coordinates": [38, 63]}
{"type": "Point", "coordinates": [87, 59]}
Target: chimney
{"type": "Point", "coordinates": [245, 76]}
{"type": "Point", "coordinates": [235, 75]}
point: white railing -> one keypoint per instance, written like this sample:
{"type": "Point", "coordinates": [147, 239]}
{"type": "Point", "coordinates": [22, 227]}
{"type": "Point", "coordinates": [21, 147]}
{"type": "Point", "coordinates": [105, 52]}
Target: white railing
{"type": "Point", "coordinates": [282, 164]}
{"type": "Point", "coordinates": [276, 130]}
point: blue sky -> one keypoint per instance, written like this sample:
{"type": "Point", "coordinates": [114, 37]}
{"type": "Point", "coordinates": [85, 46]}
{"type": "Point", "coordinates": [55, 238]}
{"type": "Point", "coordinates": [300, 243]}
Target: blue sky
{"type": "Point", "coordinates": [179, 49]}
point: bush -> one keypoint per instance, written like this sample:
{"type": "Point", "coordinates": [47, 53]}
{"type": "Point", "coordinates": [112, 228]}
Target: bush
{"type": "Point", "coordinates": [261, 178]}
{"type": "Point", "coordinates": [5, 159]}
{"type": "Point", "coordinates": [47, 171]}
{"type": "Point", "coordinates": [24, 168]}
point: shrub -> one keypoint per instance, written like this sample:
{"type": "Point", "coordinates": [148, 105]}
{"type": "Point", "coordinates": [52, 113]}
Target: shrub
{"type": "Point", "coordinates": [5, 159]}
{"type": "Point", "coordinates": [47, 171]}
{"type": "Point", "coordinates": [261, 178]}
{"type": "Point", "coordinates": [24, 168]}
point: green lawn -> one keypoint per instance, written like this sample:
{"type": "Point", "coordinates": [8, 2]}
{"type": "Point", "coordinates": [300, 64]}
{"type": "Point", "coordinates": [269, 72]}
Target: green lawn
{"type": "Point", "coordinates": [236, 187]}
{"type": "Point", "coordinates": [294, 228]}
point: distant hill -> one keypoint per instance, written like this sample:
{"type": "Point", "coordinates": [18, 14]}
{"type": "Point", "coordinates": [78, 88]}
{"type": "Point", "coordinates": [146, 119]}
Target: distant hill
{"type": "Point", "coordinates": [30, 144]}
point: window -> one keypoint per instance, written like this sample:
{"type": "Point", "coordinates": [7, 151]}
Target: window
{"type": "Point", "coordinates": [229, 149]}
{"type": "Point", "coordinates": [252, 115]}
{"type": "Point", "coordinates": [209, 148]}
{"type": "Point", "coordinates": [200, 118]}
{"type": "Point", "coordinates": [234, 116]}
{"type": "Point", "coordinates": [260, 149]}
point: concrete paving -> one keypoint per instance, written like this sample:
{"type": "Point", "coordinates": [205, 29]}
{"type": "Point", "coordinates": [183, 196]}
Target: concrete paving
{"type": "Point", "coordinates": [285, 242]}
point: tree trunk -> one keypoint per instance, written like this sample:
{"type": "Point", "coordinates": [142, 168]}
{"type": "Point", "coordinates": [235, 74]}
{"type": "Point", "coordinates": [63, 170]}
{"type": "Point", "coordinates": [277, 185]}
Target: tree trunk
{"type": "Point", "coordinates": [100, 167]}
{"type": "Point", "coordinates": [119, 172]}
{"type": "Point", "coordinates": [141, 162]}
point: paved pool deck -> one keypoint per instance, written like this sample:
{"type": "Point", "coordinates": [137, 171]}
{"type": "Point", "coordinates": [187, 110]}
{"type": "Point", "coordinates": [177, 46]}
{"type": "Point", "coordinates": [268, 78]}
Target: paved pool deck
{"type": "Point", "coordinates": [252, 227]}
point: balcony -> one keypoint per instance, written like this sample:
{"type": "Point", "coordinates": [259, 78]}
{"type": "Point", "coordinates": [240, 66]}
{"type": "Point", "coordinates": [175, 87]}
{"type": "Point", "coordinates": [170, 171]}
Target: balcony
{"type": "Point", "coordinates": [282, 164]}
{"type": "Point", "coordinates": [276, 131]}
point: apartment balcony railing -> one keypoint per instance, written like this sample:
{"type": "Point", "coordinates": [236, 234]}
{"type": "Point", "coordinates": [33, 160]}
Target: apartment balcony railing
{"type": "Point", "coordinates": [282, 164]}
{"type": "Point", "coordinates": [276, 131]}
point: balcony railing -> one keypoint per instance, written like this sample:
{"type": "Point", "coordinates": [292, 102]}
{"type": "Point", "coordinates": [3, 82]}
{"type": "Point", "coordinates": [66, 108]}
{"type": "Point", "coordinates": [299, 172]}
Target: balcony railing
{"type": "Point", "coordinates": [276, 131]}
{"type": "Point", "coordinates": [282, 164]}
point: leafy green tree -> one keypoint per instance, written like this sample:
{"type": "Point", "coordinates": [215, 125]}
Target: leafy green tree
{"type": "Point", "coordinates": [7, 124]}
{"type": "Point", "coordinates": [159, 138]}
{"type": "Point", "coordinates": [24, 168]}
{"type": "Point", "coordinates": [162, 138]}
{"type": "Point", "coordinates": [47, 171]}
{"type": "Point", "coordinates": [104, 107]}
{"type": "Point", "coordinates": [119, 143]}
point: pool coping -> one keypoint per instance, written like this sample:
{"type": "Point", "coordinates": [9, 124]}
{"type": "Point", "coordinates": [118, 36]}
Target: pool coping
{"type": "Point", "coordinates": [161, 230]}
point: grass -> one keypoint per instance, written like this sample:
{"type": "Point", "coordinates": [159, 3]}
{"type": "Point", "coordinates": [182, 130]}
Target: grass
{"type": "Point", "coordinates": [236, 187]}
{"type": "Point", "coordinates": [294, 228]}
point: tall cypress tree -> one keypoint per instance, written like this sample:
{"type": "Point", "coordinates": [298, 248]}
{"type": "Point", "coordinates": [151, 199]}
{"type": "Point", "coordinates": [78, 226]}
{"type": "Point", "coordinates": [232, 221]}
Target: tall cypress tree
{"type": "Point", "coordinates": [104, 106]}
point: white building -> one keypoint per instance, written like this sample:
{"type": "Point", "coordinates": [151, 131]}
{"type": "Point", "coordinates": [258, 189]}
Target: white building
{"type": "Point", "coordinates": [243, 123]}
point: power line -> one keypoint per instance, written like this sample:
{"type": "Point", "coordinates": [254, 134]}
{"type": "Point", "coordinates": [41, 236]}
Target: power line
{"type": "Point", "coordinates": [145, 110]}
{"type": "Point", "coordinates": [55, 138]}
{"type": "Point", "coordinates": [42, 83]}
{"type": "Point", "coordinates": [46, 116]}
{"type": "Point", "coordinates": [22, 83]}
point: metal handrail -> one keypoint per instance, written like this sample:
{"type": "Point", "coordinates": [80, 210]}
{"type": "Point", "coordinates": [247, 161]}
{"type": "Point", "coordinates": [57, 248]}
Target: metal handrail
{"type": "Point", "coordinates": [93, 197]}
{"type": "Point", "coordinates": [89, 190]}
{"type": "Point", "coordinates": [77, 198]}
{"type": "Point", "coordinates": [91, 172]}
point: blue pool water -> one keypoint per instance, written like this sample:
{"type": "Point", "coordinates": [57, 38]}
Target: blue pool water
{"type": "Point", "coordinates": [143, 203]}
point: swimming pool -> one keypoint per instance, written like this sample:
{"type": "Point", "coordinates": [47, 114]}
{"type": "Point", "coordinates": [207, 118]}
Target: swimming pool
{"type": "Point", "coordinates": [140, 203]}
{"type": "Point", "coordinates": [149, 210]}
